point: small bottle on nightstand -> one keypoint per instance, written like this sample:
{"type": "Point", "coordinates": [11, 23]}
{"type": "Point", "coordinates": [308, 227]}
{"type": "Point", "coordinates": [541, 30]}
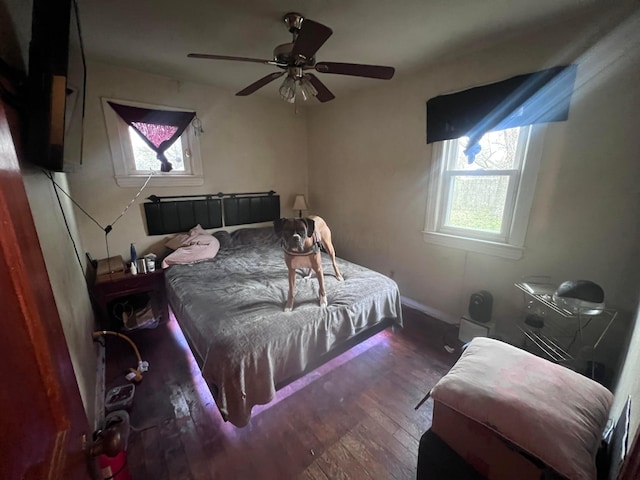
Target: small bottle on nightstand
{"type": "Point", "coordinates": [134, 259]}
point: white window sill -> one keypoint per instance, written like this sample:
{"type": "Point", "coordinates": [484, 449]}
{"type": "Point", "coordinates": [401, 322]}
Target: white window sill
{"type": "Point", "coordinates": [160, 180]}
{"type": "Point", "coordinates": [503, 250]}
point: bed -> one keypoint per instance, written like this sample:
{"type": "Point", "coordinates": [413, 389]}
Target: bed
{"type": "Point", "coordinates": [230, 309]}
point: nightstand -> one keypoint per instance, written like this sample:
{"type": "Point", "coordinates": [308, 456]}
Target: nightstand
{"type": "Point", "coordinates": [123, 284]}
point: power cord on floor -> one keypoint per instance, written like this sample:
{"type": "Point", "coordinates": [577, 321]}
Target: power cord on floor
{"type": "Point", "coordinates": [142, 429]}
{"type": "Point", "coordinates": [135, 374]}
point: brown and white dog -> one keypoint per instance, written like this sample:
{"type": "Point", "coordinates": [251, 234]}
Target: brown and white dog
{"type": "Point", "coordinates": [301, 240]}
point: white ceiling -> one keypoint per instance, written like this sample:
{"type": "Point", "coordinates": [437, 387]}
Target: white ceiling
{"type": "Point", "coordinates": [156, 35]}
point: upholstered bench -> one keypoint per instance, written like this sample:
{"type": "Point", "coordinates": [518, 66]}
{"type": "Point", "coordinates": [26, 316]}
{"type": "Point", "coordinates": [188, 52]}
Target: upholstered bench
{"type": "Point", "coordinates": [511, 414]}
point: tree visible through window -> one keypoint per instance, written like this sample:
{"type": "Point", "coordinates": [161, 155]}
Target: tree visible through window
{"type": "Point", "coordinates": [482, 201]}
{"type": "Point", "coordinates": [479, 190]}
{"type": "Point", "coordinates": [147, 160]}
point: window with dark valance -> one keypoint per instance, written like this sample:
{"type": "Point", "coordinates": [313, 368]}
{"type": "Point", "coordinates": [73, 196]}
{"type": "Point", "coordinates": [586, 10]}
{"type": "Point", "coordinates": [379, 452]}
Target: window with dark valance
{"type": "Point", "coordinates": [158, 128]}
{"type": "Point", "coordinates": [539, 97]}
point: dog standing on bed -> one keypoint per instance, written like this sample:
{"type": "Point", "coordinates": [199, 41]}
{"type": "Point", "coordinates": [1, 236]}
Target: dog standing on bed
{"type": "Point", "coordinates": [301, 240]}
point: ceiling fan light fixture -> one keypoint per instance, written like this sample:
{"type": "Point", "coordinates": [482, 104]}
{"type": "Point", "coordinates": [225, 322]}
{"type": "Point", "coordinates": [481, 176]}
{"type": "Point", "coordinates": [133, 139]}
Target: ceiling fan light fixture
{"type": "Point", "coordinates": [307, 90]}
{"type": "Point", "coordinates": [288, 89]}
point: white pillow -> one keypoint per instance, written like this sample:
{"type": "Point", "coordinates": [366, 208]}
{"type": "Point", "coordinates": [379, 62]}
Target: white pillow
{"type": "Point", "coordinates": [196, 236]}
{"type": "Point", "coordinates": [192, 253]}
{"type": "Point", "coordinates": [176, 241]}
{"type": "Point", "coordinates": [198, 230]}
{"type": "Point", "coordinates": [553, 413]}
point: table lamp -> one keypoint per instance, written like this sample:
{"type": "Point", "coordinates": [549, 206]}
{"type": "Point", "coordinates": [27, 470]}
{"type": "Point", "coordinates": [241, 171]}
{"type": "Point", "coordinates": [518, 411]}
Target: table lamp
{"type": "Point", "coordinates": [300, 204]}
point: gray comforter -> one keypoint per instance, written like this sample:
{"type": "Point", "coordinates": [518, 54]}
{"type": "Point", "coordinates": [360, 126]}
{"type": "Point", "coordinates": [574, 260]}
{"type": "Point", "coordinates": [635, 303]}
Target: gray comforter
{"type": "Point", "coordinates": [230, 309]}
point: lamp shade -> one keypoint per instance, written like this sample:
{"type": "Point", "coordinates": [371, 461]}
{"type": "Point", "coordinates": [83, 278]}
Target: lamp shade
{"type": "Point", "coordinates": [300, 203]}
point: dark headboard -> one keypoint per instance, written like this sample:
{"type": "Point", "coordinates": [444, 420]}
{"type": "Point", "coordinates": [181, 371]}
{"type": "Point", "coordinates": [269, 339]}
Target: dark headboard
{"type": "Point", "coordinates": [181, 213]}
{"type": "Point", "coordinates": [243, 210]}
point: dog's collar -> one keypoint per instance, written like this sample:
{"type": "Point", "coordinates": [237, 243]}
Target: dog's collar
{"type": "Point", "coordinates": [315, 248]}
{"type": "Point", "coordinates": [301, 254]}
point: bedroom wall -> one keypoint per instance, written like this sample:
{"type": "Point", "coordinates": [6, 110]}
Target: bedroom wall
{"type": "Point", "coordinates": [65, 272]}
{"type": "Point", "coordinates": [250, 144]}
{"type": "Point", "coordinates": [369, 163]}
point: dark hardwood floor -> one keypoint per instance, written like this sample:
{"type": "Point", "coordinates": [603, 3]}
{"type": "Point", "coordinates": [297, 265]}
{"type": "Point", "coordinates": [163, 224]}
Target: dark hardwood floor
{"type": "Point", "coordinates": [353, 417]}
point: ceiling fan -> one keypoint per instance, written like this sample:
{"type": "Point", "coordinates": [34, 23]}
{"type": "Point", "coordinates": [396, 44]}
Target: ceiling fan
{"type": "Point", "coordinates": [298, 57]}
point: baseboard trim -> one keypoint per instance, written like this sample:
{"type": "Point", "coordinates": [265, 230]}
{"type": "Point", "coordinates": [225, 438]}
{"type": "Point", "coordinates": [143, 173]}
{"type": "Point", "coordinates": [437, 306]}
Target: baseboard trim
{"type": "Point", "coordinates": [432, 312]}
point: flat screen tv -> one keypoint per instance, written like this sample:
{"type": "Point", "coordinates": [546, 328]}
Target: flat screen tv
{"type": "Point", "coordinates": [57, 76]}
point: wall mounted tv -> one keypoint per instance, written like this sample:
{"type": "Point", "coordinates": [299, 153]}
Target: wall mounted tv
{"type": "Point", "coordinates": [57, 75]}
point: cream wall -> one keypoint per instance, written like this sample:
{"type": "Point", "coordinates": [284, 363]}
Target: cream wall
{"type": "Point", "coordinates": [250, 144]}
{"type": "Point", "coordinates": [65, 272]}
{"type": "Point", "coordinates": [66, 275]}
{"type": "Point", "coordinates": [369, 164]}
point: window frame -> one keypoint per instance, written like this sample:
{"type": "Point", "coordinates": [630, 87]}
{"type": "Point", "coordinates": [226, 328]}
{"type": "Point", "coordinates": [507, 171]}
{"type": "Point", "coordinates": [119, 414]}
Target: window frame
{"type": "Point", "coordinates": [122, 153]}
{"type": "Point", "coordinates": [509, 243]}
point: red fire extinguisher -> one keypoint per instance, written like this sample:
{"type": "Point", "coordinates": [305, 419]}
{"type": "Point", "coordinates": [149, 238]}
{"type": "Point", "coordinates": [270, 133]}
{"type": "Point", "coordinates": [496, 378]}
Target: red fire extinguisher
{"type": "Point", "coordinates": [114, 468]}
{"type": "Point", "coordinates": [110, 446]}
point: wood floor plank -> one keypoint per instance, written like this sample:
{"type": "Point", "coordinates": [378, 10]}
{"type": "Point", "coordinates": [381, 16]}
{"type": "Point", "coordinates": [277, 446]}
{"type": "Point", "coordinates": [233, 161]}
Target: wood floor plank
{"type": "Point", "coordinates": [352, 418]}
{"type": "Point", "coordinates": [154, 454]}
{"type": "Point", "coordinates": [313, 472]}
{"type": "Point", "coordinates": [383, 433]}
{"type": "Point", "coordinates": [304, 436]}
{"type": "Point", "coordinates": [196, 456]}
{"type": "Point", "coordinates": [407, 439]}
{"type": "Point", "coordinates": [372, 408]}
{"type": "Point", "coordinates": [400, 461]}
{"type": "Point", "coordinates": [369, 458]}
{"type": "Point", "coordinates": [174, 455]}
{"type": "Point", "coordinates": [338, 463]}
{"type": "Point", "coordinates": [397, 413]}
{"type": "Point", "coordinates": [135, 455]}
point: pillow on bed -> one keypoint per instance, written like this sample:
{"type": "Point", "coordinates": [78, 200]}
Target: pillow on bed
{"type": "Point", "coordinates": [196, 236]}
{"type": "Point", "coordinates": [224, 238]}
{"type": "Point", "coordinates": [192, 253]}
{"type": "Point", "coordinates": [176, 241]}
{"type": "Point", "coordinates": [198, 230]}
{"type": "Point", "coordinates": [253, 236]}
{"type": "Point", "coordinates": [200, 239]}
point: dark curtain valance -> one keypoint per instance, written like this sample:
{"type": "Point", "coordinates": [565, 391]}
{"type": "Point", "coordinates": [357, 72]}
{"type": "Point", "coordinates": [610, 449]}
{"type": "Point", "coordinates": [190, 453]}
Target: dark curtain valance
{"type": "Point", "coordinates": [158, 128]}
{"type": "Point", "coordinates": [538, 97]}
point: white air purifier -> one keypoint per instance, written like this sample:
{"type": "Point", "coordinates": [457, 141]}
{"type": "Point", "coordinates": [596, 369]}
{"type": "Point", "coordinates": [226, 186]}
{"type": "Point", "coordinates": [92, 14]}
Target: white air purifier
{"type": "Point", "coordinates": [470, 329]}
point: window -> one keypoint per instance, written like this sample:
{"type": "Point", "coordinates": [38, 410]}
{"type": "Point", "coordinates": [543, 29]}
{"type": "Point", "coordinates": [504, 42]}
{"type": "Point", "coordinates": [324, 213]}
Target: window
{"type": "Point", "coordinates": [145, 159]}
{"type": "Point", "coordinates": [484, 206]}
{"type": "Point", "coordinates": [133, 160]}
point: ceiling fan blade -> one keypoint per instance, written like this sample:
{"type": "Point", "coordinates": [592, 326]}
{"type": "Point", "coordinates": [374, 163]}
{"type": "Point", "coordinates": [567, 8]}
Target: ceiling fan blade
{"type": "Point", "coordinates": [324, 94]}
{"type": "Point", "coordinates": [311, 37]}
{"type": "Point", "coordinates": [356, 69]}
{"type": "Point", "coordinates": [225, 57]}
{"type": "Point", "coordinates": [259, 84]}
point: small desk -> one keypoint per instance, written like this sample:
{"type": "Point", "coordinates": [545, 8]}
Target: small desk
{"type": "Point", "coordinates": [121, 285]}
{"type": "Point", "coordinates": [556, 339]}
